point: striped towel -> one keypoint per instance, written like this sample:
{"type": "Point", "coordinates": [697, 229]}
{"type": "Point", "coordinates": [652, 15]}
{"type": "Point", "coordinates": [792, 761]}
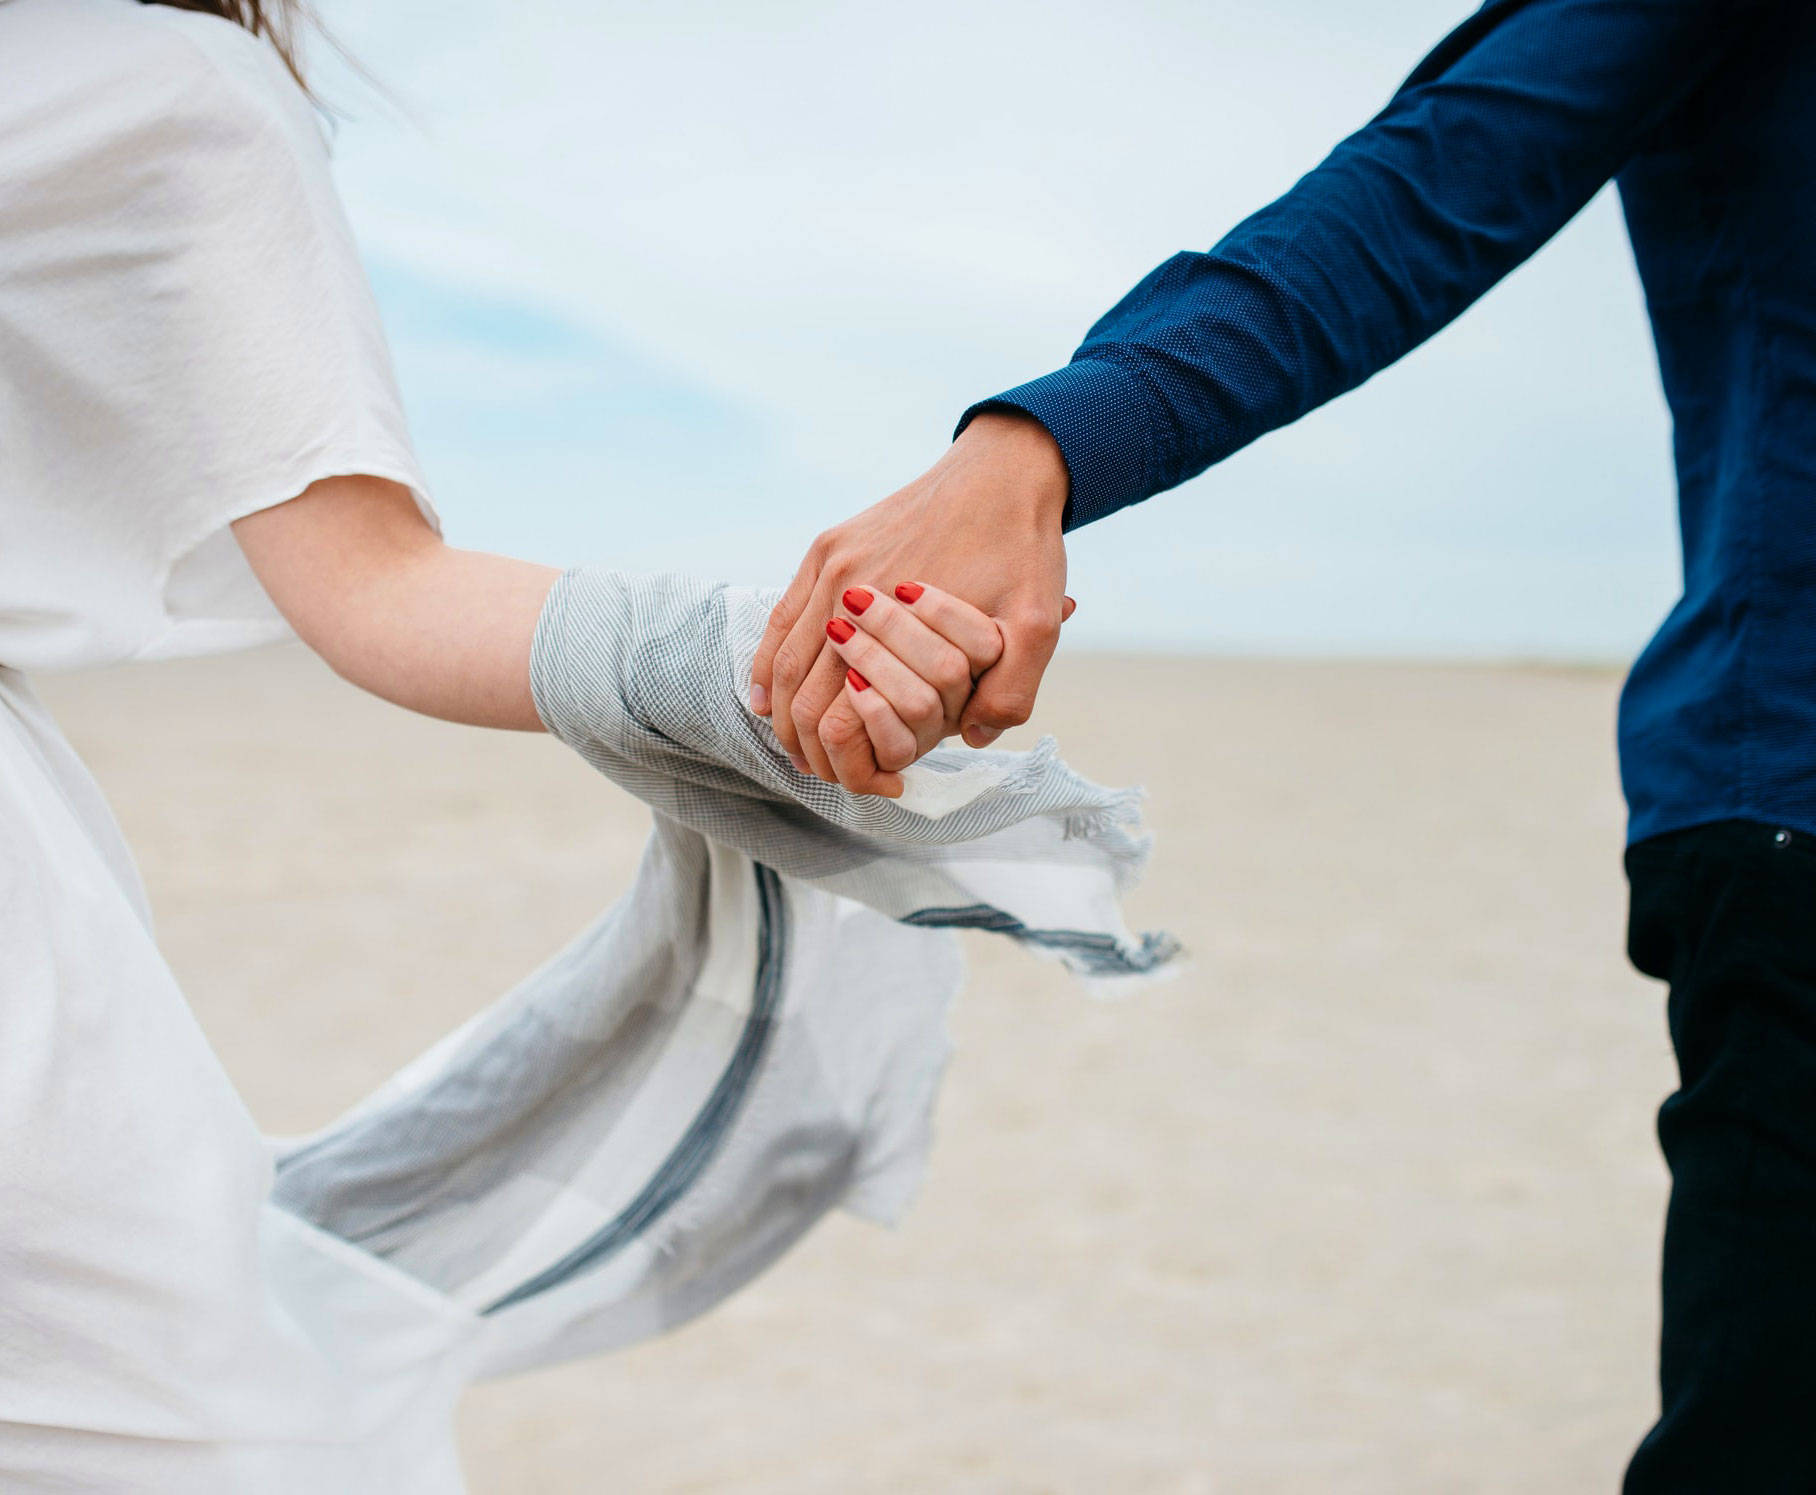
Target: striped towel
{"type": "Point", "coordinates": [754, 1033]}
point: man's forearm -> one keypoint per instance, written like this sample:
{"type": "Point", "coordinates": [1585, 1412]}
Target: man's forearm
{"type": "Point", "coordinates": [370, 587]}
{"type": "Point", "coordinates": [1493, 143]}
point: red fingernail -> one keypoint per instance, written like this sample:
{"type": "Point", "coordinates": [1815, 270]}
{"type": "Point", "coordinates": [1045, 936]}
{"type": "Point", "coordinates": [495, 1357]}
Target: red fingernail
{"type": "Point", "coordinates": [858, 682]}
{"type": "Point", "coordinates": [839, 631]}
{"type": "Point", "coordinates": [858, 598]}
{"type": "Point", "coordinates": [909, 591]}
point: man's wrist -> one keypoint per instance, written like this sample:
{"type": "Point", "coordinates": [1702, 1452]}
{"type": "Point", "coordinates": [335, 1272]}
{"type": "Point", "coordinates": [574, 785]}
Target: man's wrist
{"type": "Point", "coordinates": [1017, 441]}
{"type": "Point", "coordinates": [1103, 419]}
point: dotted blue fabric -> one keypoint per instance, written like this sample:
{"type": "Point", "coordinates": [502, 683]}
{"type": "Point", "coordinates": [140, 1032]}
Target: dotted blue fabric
{"type": "Point", "coordinates": [1705, 113]}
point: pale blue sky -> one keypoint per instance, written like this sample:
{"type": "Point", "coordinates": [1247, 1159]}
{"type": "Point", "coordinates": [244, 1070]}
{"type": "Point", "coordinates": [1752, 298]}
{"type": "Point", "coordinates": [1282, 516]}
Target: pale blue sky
{"type": "Point", "coordinates": [676, 286]}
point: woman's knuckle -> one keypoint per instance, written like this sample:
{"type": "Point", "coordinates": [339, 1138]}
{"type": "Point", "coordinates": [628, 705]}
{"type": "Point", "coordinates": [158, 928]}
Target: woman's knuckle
{"type": "Point", "coordinates": [924, 704]}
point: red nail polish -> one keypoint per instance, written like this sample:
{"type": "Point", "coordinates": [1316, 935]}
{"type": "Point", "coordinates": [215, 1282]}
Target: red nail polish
{"type": "Point", "coordinates": [858, 682]}
{"type": "Point", "coordinates": [857, 599]}
{"type": "Point", "coordinates": [909, 591]}
{"type": "Point", "coordinates": [839, 631]}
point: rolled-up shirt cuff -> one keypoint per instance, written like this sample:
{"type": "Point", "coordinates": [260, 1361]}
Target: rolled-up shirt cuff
{"type": "Point", "coordinates": [1098, 413]}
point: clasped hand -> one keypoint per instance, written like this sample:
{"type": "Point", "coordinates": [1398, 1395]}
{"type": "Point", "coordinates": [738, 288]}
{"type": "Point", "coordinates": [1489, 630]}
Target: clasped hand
{"type": "Point", "coordinates": [933, 612]}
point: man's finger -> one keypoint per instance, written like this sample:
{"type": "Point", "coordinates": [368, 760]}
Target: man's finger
{"type": "Point", "coordinates": [794, 661]}
{"type": "Point", "coordinates": [808, 705]}
{"type": "Point", "coordinates": [846, 739]}
{"type": "Point", "coordinates": [782, 618]}
{"type": "Point", "coordinates": [1005, 695]}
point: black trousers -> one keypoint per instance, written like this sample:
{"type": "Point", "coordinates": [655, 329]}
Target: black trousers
{"type": "Point", "coordinates": [1726, 913]}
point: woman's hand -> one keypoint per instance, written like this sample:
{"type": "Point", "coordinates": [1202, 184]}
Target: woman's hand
{"type": "Point", "coordinates": [984, 522]}
{"type": "Point", "coordinates": [911, 661]}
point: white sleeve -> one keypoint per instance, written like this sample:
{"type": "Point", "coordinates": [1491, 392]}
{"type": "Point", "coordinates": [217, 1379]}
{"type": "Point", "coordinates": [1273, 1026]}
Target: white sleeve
{"type": "Point", "coordinates": [199, 342]}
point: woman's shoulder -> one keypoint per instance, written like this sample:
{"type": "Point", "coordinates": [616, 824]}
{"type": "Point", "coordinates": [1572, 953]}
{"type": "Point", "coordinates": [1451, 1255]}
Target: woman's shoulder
{"type": "Point", "coordinates": [235, 74]}
{"type": "Point", "coordinates": [123, 91]}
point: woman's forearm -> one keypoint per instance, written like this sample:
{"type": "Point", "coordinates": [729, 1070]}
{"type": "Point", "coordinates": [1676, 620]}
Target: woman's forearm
{"type": "Point", "coordinates": [368, 585]}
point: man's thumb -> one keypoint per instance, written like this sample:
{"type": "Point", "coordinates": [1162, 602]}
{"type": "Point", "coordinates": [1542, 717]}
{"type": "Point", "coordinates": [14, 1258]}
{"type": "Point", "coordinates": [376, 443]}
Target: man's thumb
{"type": "Point", "coordinates": [1004, 698]}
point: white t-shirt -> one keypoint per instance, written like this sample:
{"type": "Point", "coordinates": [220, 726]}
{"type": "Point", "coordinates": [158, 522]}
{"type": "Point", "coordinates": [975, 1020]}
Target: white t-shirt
{"type": "Point", "coordinates": [186, 333]}
{"type": "Point", "coordinates": [185, 337]}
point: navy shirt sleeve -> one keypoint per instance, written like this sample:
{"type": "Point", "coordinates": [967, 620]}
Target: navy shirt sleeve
{"type": "Point", "coordinates": [1496, 140]}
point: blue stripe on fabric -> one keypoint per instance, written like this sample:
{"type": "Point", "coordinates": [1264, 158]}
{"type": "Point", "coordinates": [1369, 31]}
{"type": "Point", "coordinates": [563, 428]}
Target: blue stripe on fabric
{"type": "Point", "coordinates": [701, 1141]}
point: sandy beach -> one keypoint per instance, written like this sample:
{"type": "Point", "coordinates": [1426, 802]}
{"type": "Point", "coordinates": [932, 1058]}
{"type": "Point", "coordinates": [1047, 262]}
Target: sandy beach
{"type": "Point", "coordinates": [1364, 1201]}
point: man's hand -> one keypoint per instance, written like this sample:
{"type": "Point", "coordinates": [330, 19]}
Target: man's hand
{"type": "Point", "coordinates": [984, 524]}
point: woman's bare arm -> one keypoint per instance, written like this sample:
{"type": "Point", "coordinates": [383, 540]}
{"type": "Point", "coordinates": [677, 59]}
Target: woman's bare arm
{"type": "Point", "coordinates": [368, 585]}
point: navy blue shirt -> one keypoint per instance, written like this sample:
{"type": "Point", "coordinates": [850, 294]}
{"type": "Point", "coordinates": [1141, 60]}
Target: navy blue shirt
{"type": "Point", "coordinates": [1704, 111]}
